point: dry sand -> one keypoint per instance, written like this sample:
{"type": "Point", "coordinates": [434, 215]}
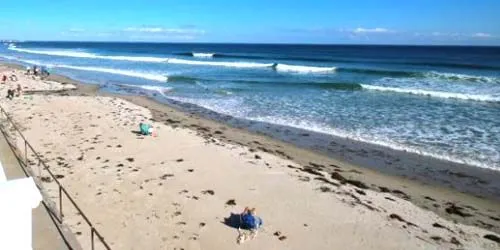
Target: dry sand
{"type": "Point", "coordinates": [29, 83]}
{"type": "Point", "coordinates": [174, 191]}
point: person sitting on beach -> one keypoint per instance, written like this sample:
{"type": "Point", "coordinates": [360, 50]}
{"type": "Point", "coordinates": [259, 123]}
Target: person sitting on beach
{"type": "Point", "coordinates": [4, 79]}
{"type": "Point", "coordinates": [19, 90]}
{"type": "Point", "coordinates": [13, 78]}
{"type": "Point", "coordinates": [249, 220]}
{"type": "Point", "coordinates": [146, 129]}
{"type": "Point", "coordinates": [28, 70]}
{"type": "Point", "coordinates": [10, 94]}
{"type": "Point", "coordinates": [35, 70]}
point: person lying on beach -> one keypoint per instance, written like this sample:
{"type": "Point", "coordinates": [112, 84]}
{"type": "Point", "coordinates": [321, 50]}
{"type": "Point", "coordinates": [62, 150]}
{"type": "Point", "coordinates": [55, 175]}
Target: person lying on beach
{"type": "Point", "coordinates": [249, 221]}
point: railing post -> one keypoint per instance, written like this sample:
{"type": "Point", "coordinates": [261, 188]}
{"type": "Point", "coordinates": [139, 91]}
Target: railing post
{"type": "Point", "coordinates": [39, 171]}
{"type": "Point", "coordinates": [92, 237]}
{"type": "Point", "coordinates": [25, 154]}
{"type": "Point", "coordinates": [60, 203]}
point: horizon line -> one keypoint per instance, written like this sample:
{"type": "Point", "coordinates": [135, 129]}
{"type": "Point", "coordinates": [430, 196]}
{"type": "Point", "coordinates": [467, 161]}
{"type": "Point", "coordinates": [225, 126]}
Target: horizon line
{"type": "Point", "coordinates": [252, 43]}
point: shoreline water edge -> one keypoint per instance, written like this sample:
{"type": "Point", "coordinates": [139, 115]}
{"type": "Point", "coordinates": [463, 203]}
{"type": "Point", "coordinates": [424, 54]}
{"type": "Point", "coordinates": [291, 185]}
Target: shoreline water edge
{"type": "Point", "coordinates": [456, 192]}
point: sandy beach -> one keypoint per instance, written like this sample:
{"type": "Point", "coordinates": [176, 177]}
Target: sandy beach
{"type": "Point", "coordinates": [176, 190]}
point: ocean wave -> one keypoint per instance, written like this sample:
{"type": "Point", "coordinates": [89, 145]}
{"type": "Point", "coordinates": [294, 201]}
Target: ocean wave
{"type": "Point", "coordinates": [381, 72]}
{"type": "Point", "coordinates": [278, 67]}
{"type": "Point", "coordinates": [182, 79]}
{"type": "Point", "coordinates": [312, 84]}
{"type": "Point", "coordinates": [78, 54]}
{"type": "Point", "coordinates": [196, 54]}
{"type": "Point", "coordinates": [66, 53]}
{"type": "Point", "coordinates": [339, 86]}
{"type": "Point", "coordinates": [454, 65]}
{"type": "Point", "coordinates": [136, 74]}
{"type": "Point", "coordinates": [159, 89]}
{"type": "Point", "coordinates": [438, 94]}
{"type": "Point", "coordinates": [430, 74]}
{"type": "Point", "coordinates": [135, 58]}
{"type": "Point", "coordinates": [13, 58]}
{"type": "Point", "coordinates": [258, 57]}
{"type": "Point", "coordinates": [461, 77]}
{"type": "Point", "coordinates": [220, 64]}
{"type": "Point", "coordinates": [366, 137]}
{"type": "Point", "coordinates": [302, 69]}
{"type": "Point", "coordinates": [203, 55]}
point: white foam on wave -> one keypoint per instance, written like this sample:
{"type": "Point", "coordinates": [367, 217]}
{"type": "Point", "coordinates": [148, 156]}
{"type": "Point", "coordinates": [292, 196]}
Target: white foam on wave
{"type": "Point", "coordinates": [159, 89]}
{"type": "Point", "coordinates": [135, 58]}
{"type": "Point", "coordinates": [371, 139]}
{"type": "Point", "coordinates": [136, 74]}
{"type": "Point", "coordinates": [234, 107]}
{"type": "Point", "coordinates": [13, 58]}
{"type": "Point", "coordinates": [438, 94]}
{"type": "Point", "coordinates": [203, 55]}
{"type": "Point", "coordinates": [461, 77]}
{"type": "Point", "coordinates": [303, 69]}
{"type": "Point", "coordinates": [67, 53]}
{"type": "Point", "coordinates": [79, 54]}
{"type": "Point", "coordinates": [220, 64]}
{"type": "Point", "coordinates": [278, 67]}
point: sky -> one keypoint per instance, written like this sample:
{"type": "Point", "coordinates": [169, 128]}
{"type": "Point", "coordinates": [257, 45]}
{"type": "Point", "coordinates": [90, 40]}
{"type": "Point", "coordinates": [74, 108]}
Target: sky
{"type": "Point", "coordinates": [454, 22]}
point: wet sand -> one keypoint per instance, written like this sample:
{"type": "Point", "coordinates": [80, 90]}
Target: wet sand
{"type": "Point", "coordinates": [198, 171]}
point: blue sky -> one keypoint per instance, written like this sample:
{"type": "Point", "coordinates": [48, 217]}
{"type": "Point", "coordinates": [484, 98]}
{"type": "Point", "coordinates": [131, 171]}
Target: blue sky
{"type": "Point", "coordinates": [255, 21]}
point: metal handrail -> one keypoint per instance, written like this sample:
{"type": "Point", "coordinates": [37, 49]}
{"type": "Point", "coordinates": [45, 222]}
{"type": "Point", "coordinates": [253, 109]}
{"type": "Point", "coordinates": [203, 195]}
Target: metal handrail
{"type": "Point", "coordinates": [93, 230]}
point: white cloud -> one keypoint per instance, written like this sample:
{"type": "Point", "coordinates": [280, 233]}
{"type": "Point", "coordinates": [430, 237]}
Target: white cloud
{"type": "Point", "coordinates": [462, 35]}
{"type": "Point", "coordinates": [154, 33]}
{"type": "Point", "coordinates": [144, 29]}
{"type": "Point", "coordinates": [374, 30]}
{"type": "Point", "coordinates": [76, 30]}
{"type": "Point", "coordinates": [162, 30]}
{"type": "Point", "coordinates": [482, 35]}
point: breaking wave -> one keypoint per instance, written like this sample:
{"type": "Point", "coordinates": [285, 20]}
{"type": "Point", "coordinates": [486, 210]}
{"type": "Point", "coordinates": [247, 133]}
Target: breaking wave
{"type": "Point", "coordinates": [67, 53]}
{"type": "Point", "coordinates": [302, 69]}
{"type": "Point", "coordinates": [130, 73]}
{"type": "Point", "coordinates": [438, 94]}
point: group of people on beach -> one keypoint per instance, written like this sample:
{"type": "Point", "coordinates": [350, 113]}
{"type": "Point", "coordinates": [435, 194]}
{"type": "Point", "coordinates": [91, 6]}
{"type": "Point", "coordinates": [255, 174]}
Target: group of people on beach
{"type": "Point", "coordinates": [14, 92]}
{"type": "Point", "coordinates": [12, 78]}
{"type": "Point", "coordinates": [37, 71]}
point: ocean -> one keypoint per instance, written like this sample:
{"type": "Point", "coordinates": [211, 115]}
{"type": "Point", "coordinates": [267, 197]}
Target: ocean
{"type": "Point", "coordinates": [436, 101]}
